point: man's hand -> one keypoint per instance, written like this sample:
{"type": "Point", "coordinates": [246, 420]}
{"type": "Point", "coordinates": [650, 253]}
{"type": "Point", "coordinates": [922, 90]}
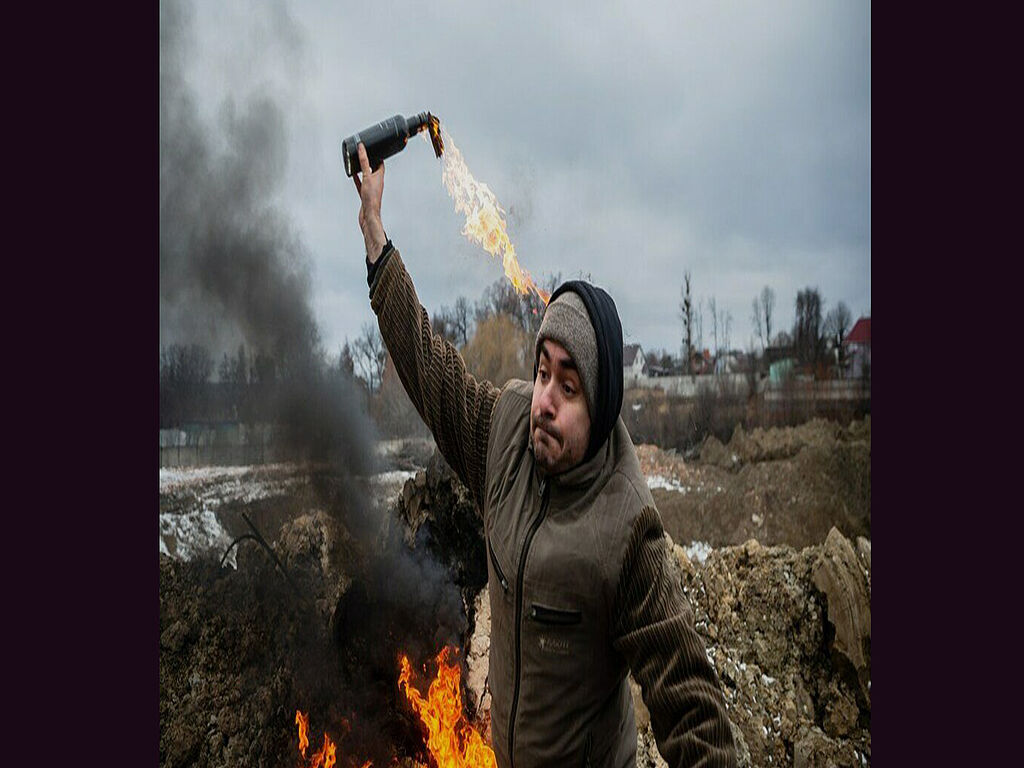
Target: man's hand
{"type": "Point", "coordinates": [370, 189]}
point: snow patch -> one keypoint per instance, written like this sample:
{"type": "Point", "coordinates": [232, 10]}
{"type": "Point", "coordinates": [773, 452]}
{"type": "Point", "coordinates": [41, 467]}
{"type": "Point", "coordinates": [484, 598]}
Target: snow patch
{"type": "Point", "coordinates": [396, 476]}
{"type": "Point", "coordinates": [194, 533]}
{"type": "Point", "coordinates": [666, 483]}
{"type": "Point", "coordinates": [182, 478]}
{"type": "Point", "coordinates": [698, 550]}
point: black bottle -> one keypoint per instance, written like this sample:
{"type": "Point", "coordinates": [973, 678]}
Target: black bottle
{"type": "Point", "coordinates": [388, 138]}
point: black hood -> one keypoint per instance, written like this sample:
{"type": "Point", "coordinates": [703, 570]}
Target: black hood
{"type": "Point", "coordinates": [608, 331]}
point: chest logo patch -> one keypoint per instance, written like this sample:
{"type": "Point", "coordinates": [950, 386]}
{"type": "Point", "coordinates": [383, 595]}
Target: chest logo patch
{"type": "Point", "coordinates": [555, 645]}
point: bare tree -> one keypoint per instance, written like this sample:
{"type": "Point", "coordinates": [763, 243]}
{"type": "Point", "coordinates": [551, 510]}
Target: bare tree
{"type": "Point", "coordinates": [750, 369]}
{"type": "Point", "coordinates": [757, 319]}
{"type": "Point", "coordinates": [782, 339]}
{"type": "Point", "coordinates": [369, 356]}
{"type": "Point", "coordinates": [184, 373]}
{"type": "Point", "coordinates": [837, 325]}
{"type": "Point", "coordinates": [501, 298]}
{"type": "Point", "coordinates": [725, 326]}
{"type": "Point", "coordinates": [807, 331]}
{"type": "Point", "coordinates": [767, 311]}
{"type": "Point", "coordinates": [443, 324]}
{"type": "Point", "coordinates": [461, 318]}
{"type": "Point", "coordinates": [346, 365]}
{"type": "Point", "coordinates": [698, 324]}
{"type": "Point", "coordinates": [721, 329]}
{"type": "Point", "coordinates": [686, 313]}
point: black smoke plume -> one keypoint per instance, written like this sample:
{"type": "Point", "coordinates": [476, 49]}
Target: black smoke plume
{"type": "Point", "coordinates": [233, 266]}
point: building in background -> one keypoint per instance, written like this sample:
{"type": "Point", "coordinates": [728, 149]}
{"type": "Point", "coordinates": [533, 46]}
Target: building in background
{"type": "Point", "coordinates": [633, 361]}
{"type": "Point", "coordinates": [857, 346]}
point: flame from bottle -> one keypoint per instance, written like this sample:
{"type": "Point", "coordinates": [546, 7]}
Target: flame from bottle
{"type": "Point", "coordinates": [451, 741]}
{"type": "Point", "coordinates": [485, 218]}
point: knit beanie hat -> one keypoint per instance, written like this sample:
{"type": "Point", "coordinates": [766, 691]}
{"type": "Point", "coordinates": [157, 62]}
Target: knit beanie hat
{"type": "Point", "coordinates": [567, 321]}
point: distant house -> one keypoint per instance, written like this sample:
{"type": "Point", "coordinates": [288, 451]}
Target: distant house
{"type": "Point", "coordinates": [778, 352]}
{"type": "Point", "coordinates": [700, 362]}
{"type": "Point", "coordinates": [728, 362]}
{"type": "Point", "coordinates": [782, 369]}
{"type": "Point", "coordinates": [857, 345]}
{"type": "Point", "coordinates": [633, 361]}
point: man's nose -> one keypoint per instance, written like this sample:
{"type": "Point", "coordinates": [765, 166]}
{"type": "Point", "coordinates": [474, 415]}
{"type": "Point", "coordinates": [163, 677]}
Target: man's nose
{"type": "Point", "coordinates": [547, 401]}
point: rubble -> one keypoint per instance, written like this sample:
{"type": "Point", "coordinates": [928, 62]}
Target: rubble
{"type": "Point", "coordinates": [766, 614]}
{"type": "Point", "coordinates": [838, 573]}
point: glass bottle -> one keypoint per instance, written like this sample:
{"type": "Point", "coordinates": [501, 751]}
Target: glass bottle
{"type": "Point", "coordinates": [388, 138]}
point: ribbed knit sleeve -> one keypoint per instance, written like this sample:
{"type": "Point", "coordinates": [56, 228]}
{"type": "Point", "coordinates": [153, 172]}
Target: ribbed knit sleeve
{"type": "Point", "coordinates": [654, 632]}
{"type": "Point", "coordinates": [455, 406]}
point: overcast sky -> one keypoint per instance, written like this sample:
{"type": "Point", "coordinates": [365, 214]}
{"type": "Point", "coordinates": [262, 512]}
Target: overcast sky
{"type": "Point", "coordinates": [629, 143]}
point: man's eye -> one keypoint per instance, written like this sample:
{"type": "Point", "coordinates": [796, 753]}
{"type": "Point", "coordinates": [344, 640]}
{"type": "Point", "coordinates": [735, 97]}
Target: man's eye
{"type": "Point", "coordinates": [569, 389]}
{"type": "Point", "coordinates": [543, 375]}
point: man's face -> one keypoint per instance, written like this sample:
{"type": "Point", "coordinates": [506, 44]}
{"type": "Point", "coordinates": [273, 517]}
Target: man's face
{"type": "Point", "coordinates": [559, 419]}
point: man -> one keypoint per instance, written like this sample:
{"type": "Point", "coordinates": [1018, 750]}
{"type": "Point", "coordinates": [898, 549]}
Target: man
{"type": "Point", "coordinates": [579, 589]}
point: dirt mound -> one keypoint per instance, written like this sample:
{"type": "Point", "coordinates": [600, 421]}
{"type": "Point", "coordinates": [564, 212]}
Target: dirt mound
{"type": "Point", "coordinates": [438, 510]}
{"type": "Point", "coordinates": [240, 650]}
{"type": "Point", "coordinates": [781, 442]}
{"type": "Point", "coordinates": [780, 486]}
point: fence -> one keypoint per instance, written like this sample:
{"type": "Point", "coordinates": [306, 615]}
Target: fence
{"type": "Point", "coordinates": [818, 391]}
{"type": "Point", "coordinates": [226, 444]}
{"type": "Point", "coordinates": [687, 386]}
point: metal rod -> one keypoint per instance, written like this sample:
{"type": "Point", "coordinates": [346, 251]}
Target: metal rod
{"type": "Point", "coordinates": [263, 543]}
{"type": "Point", "coordinates": [239, 540]}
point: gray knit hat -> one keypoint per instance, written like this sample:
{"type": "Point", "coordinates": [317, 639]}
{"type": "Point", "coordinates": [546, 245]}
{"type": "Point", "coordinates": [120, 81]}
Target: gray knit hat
{"type": "Point", "coordinates": [567, 321]}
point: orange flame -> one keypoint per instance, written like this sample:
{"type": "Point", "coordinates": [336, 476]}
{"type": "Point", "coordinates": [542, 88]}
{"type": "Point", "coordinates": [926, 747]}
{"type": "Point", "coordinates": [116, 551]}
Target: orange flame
{"type": "Point", "coordinates": [303, 722]}
{"type": "Point", "coordinates": [451, 741]}
{"type": "Point", "coordinates": [327, 755]}
{"type": "Point", "coordinates": [485, 222]}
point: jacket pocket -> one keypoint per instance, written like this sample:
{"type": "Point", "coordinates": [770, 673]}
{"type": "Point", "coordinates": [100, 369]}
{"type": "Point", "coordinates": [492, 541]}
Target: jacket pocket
{"type": "Point", "coordinates": [497, 568]}
{"type": "Point", "coordinates": [544, 614]}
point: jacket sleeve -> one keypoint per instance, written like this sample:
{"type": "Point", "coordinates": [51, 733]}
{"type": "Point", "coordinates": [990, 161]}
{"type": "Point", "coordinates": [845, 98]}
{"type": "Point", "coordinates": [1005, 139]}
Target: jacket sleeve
{"type": "Point", "coordinates": [455, 406]}
{"type": "Point", "coordinates": [654, 632]}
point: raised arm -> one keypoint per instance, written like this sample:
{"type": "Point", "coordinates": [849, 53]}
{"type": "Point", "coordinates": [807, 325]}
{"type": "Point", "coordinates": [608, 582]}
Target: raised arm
{"type": "Point", "coordinates": [455, 406]}
{"type": "Point", "coordinates": [655, 634]}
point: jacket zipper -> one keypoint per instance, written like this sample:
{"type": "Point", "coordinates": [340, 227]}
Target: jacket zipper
{"type": "Point", "coordinates": [497, 568]}
{"type": "Point", "coordinates": [586, 750]}
{"type": "Point", "coordinates": [519, 618]}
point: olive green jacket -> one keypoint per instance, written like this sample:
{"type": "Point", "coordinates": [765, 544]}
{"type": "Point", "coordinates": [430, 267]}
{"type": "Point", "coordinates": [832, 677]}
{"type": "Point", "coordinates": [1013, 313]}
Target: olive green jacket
{"type": "Point", "coordinates": [578, 580]}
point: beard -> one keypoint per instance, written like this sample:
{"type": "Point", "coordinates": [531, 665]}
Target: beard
{"type": "Point", "coordinates": [552, 452]}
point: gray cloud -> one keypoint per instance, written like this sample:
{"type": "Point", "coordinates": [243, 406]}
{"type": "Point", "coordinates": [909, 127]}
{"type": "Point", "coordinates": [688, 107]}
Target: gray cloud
{"type": "Point", "coordinates": [729, 139]}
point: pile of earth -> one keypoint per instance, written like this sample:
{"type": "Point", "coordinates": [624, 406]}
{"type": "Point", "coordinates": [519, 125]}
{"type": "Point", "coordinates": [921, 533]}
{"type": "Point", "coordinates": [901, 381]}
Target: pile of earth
{"type": "Point", "coordinates": [243, 646]}
{"type": "Point", "coordinates": [241, 650]}
{"type": "Point", "coordinates": [780, 486]}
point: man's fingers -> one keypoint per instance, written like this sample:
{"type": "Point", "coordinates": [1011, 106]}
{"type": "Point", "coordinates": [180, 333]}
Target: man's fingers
{"type": "Point", "coordinates": [364, 161]}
